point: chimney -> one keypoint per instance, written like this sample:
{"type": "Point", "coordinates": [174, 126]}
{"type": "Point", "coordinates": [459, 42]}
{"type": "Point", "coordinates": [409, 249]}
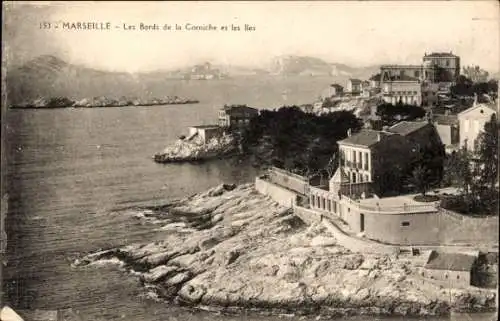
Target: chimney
{"type": "Point", "coordinates": [349, 132]}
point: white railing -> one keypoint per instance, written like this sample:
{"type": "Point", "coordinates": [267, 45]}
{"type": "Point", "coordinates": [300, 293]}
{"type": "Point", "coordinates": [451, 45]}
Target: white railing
{"type": "Point", "coordinates": [407, 208]}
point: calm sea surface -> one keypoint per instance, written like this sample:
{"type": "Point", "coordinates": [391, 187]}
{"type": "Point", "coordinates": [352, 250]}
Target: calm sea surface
{"type": "Point", "coordinates": [75, 176]}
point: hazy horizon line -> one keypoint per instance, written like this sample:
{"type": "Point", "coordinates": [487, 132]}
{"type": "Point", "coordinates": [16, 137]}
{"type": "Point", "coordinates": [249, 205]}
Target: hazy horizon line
{"type": "Point", "coordinates": [214, 62]}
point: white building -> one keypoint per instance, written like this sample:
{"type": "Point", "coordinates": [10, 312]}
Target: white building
{"type": "Point", "coordinates": [471, 123]}
{"type": "Point", "coordinates": [404, 89]}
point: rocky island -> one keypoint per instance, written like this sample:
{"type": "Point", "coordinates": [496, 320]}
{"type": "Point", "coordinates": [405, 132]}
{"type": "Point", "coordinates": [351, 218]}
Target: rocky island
{"type": "Point", "coordinates": [231, 248]}
{"type": "Point", "coordinates": [196, 148]}
{"type": "Point", "coordinates": [64, 102]}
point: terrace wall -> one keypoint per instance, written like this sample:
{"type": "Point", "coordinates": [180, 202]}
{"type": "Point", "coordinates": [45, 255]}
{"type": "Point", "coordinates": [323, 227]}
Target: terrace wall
{"type": "Point", "coordinates": [279, 194]}
{"type": "Point", "coordinates": [289, 180]}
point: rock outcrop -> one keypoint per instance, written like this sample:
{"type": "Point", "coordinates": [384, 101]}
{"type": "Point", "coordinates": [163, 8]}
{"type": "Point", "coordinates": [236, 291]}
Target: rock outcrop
{"type": "Point", "coordinates": [102, 101]}
{"type": "Point", "coordinates": [195, 149]}
{"type": "Point", "coordinates": [258, 254]}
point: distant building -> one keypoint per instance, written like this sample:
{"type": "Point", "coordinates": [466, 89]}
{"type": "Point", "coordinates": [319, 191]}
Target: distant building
{"type": "Point", "coordinates": [308, 108]}
{"type": "Point", "coordinates": [453, 269]}
{"type": "Point", "coordinates": [447, 65]}
{"type": "Point", "coordinates": [236, 115]}
{"type": "Point", "coordinates": [332, 91]}
{"type": "Point", "coordinates": [366, 89]}
{"type": "Point", "coordinates": [402, 89]}
{"type": "Point", "coordinates": [424, 72]}
{"type": "Point", "coordinates": [471, 123]}
{"type": "Point", "coordinates": [205, 132]}
{"type": "Point", "coordinates": [419, 84]}
{"type": "Point", "coordinates": [354, 86]}
{"type": "Point", "coordinates": [375, 81]}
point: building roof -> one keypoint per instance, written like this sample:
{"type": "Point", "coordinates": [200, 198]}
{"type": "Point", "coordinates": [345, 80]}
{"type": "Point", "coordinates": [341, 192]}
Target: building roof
{"type": "Point", "coordinates": [446, 119]}
{"type": "Point", "coordinates": [488, 107]}
{"type": "Point", "coordinates": [407, 127]}
{"type": "Point", "coordinates": [337, 86]}
{"type": "Point", "coordinates": [364, 138]}
{"type": "Point", "coordinates": [206, 126]}
{"type": "Point", "coordinates": [450, 261]}
{"type": "Point", "coordinates": [340, 176]}
{"type": "Point", "coordinates": [375, 77]}
{"type": "Point", "coordinates": [239, 108]}
{"type": "Point", "coordinates": [354, 80]}
{"type": "Point", "coordinates": [440, 54]}
{"type": "Point", "coordinates": [400, 66]}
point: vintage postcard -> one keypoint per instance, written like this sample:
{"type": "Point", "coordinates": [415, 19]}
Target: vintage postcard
{"type": "Point", "coordinates": [268, 160]}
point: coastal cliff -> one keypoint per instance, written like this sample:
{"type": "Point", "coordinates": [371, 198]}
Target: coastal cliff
{"type": "Point", "coordinates": [195, 149]}
{"type": "Point", "coordinates": [232, 248]}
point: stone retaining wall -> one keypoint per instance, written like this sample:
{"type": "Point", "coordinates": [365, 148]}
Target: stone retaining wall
{"type": "Point", "coordinates": [291, 181]}
{"type": "Point", "coordinates": [307, 215]}
{"type": "Point", "coordinates": [358, 245]}
{"type": "Point", "coordinates": [279, 194]}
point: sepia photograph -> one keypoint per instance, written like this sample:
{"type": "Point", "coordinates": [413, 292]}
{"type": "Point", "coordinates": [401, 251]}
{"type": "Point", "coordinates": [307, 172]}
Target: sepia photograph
{"type": "Point", "coordinates": [249, 160]}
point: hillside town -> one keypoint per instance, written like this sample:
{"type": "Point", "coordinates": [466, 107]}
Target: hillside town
{"type": "Point", "coordinates": [353, 201]}
{"type": "Point", "coordinates": [362, 200]}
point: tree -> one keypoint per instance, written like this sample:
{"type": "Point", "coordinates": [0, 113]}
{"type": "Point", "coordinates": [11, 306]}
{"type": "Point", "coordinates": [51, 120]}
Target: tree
{"type": "Point", "coordinates": [421, 178]}
{"type": "Point", "coordinates": [462, 170]}
{"type": "Point", "coordinates": [475, 73]}
{"type": "Point", "coordinates": [488, 154]}
{"type": "Point", "coordinates": [301, 142]}
{"type": "Point", "coordinates": [390, 114]}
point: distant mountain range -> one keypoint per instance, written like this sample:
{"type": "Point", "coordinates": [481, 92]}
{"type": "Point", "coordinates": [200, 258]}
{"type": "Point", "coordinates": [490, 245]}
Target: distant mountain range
{"type": "Point", "coordinates": [49, 76]}
{"type": "Point", "coordinates": [311, 66]}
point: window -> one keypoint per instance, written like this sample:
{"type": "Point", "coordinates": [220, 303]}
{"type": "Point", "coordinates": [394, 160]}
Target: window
{"type": "Point", "coordinates": [458, 277]}
{"type": "Point", "coordinates": [447, 63]}
{"type": "Point", "coordinates": [405, 223]}
{"type": "Point", "coordinates": [446, 276]}
{"type": "Point", "coordinates": [417, 73]}
{"type": "Point", "coordinates": [366, 161]}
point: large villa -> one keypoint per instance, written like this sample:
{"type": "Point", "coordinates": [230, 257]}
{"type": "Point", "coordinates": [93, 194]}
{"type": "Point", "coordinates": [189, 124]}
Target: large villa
{"type": "Point", "coordinates": [349, 196]}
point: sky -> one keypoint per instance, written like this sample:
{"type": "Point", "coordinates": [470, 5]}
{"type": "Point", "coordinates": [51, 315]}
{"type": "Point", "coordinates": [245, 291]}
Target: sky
{"type": "Point", "coordinates": [357, 33]}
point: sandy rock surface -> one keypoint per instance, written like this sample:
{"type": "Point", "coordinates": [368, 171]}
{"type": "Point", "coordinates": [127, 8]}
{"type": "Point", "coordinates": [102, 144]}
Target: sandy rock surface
{"type": "Point", "coordinates": [245, 251]}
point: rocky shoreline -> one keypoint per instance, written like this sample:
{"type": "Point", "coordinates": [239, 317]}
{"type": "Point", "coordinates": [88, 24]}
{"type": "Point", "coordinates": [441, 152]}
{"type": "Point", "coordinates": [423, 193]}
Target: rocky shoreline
{"type": "Point", "coordinates": [231, 249]}
{"type": "Point", "coordinates": [98, 102]}
{"type": "Point", "coordinates": [193, 150]}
